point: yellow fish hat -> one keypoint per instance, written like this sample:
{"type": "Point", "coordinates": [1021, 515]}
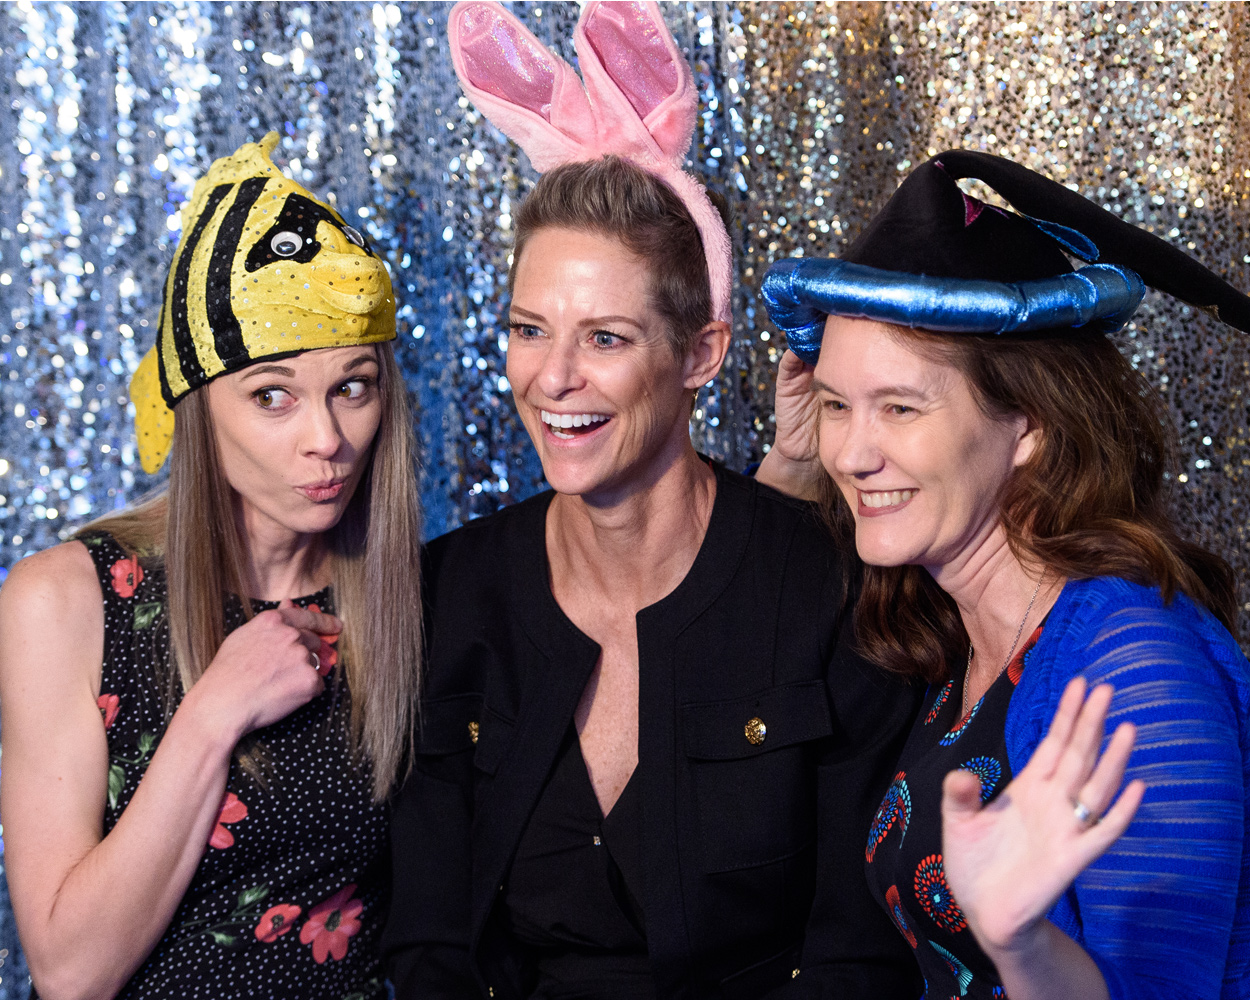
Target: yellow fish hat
{"type": "Point", "coordinates": [262, 268]}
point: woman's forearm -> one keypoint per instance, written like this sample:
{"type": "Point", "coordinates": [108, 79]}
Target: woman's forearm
{"type": "Point", "coordinates": [1048, 965]}
{"type": "Point", "coordinates": [117, 901]}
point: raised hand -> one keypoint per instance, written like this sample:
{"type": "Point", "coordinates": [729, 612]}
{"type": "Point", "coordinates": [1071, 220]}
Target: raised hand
{"type": "Point", "coordinates": [796, 409]}
{"type": "Point", "coordinates": [267, 668]}
{"type": "Point", "coordinates": [1008, 863]}
{"type": "Point", "coordinates": [792, 465]}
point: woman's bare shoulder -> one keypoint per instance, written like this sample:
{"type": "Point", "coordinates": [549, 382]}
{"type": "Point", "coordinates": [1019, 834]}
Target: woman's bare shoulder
{"type": "Point", "coordinates": [64, 571]}
{"type": "Point", "coordinates": [53, 592]}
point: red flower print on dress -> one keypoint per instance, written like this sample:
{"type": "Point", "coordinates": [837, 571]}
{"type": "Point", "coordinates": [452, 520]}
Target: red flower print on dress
{"type": "Point", "coordinates": [331, 924]}
{"type": "Point", "coordinates": [232, 810]}
{"type": "Point", "coordinates": [276, 921]}
{"type": "Point", "coordinates": [127, 575]}
{"type": "Point", "coordinates": [108, 705]}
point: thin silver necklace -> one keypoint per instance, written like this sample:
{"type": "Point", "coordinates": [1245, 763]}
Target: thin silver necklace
{"type": "Point", "coordinates": [1010, 653]}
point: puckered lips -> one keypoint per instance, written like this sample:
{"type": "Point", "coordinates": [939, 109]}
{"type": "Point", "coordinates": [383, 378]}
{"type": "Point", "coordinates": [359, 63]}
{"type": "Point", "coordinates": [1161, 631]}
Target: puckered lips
{"type": "Point", "coordinates": [877, 503]}
{"type": "Point", "coordinates": [323, 490]}
{"type": "Point", "coordinates": [572, 426]}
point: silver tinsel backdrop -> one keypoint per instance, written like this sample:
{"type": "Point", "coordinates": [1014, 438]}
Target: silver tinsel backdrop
{"type": "Point", "coordinates": [812, 114]}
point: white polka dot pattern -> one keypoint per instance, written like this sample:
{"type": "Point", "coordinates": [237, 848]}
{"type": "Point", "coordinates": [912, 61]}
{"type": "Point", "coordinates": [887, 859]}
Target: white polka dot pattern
{"type": "Point", "coordinates": [288, 900]}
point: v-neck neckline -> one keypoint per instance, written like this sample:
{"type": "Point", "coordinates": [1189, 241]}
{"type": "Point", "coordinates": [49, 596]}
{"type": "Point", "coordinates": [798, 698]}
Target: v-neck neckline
{"type": "Point", "coordinates": [722, 548]}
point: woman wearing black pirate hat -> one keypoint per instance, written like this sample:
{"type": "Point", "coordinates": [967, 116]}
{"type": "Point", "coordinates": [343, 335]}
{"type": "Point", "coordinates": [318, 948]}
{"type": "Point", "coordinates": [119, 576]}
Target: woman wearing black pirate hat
{"type": "Point", "coordinates": [196, 757]}
{"type": "Point", "coordinates": [1003, 466]}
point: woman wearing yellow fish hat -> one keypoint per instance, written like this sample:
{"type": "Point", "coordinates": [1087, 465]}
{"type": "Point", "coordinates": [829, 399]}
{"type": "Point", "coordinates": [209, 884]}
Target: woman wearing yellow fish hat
{"type": "Point", "coordinates": [195, 765]}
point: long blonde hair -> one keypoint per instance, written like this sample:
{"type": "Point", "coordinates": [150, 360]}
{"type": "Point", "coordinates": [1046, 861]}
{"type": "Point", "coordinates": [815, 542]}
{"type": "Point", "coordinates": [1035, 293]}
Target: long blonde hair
{"type": "Point", "coordinates": [374, 551]}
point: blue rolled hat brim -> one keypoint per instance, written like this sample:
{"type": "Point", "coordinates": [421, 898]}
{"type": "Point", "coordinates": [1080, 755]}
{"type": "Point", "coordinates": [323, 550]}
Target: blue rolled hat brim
{"type": "Point", "coordinates": [801, 293]}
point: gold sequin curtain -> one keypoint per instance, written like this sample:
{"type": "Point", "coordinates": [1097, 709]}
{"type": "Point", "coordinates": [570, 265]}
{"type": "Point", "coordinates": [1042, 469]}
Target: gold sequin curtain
{"type": "Point", "coordinates": [813, 112]}
{"type": "Point", "coordinates": [1143, 107]}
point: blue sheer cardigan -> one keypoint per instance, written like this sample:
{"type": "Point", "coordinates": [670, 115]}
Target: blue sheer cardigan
{"type": "Point", "coordinates": [1166, 911]}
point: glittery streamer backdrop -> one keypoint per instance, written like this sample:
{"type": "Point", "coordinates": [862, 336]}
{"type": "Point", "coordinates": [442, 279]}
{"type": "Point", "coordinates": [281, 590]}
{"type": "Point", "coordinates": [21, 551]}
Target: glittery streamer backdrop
{"type": "Point", "coordinates": [812, 114]}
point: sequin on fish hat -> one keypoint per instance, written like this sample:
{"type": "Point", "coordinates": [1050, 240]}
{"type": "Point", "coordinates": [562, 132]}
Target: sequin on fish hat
{"type": "Point", "coordinates": [263, 268]}
{"type": "Point", "coordinates": [935, 258]}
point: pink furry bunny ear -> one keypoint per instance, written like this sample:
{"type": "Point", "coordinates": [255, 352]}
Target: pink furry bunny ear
{"type": "Point", "coordinates": [639, 82]}
{"type": "Point", "coordinates": [645, 104]}
{"type": "Point", "coordinates": [530, 93]}
{"type": "Point", "coordinates": [639, 101]}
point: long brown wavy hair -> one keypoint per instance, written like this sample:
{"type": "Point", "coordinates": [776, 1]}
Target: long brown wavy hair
{"type": "Point", "coordinates": [190, 529]}
{"type": "Point", "coordinates": [1089, 502]}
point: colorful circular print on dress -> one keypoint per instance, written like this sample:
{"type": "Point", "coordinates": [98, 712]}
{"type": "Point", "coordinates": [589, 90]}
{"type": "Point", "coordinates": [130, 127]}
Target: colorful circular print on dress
{"type": "Point", "coordinates": [935, 895]}
{"type": "Point", "coordinates": [961, 972]}
{"type": "Point", "coordinates": [989, 770]}
{"type": "Point", "coordinates": [895, 806]}
{"type": "Point", "coordinates": [938, 702]}
{"type": "Point", "coordinates": [958, 731]}
{"type": "Point", "coordinates": [895, 904]}
{"type": "Point", "coordinates": [1015, 669]}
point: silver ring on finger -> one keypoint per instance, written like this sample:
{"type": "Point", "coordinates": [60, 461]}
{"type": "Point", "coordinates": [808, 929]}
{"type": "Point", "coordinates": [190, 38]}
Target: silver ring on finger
{"type": "Point", "coordinates": [1084, 815]}
{"type": "Point", "coordinates": [316, 661]}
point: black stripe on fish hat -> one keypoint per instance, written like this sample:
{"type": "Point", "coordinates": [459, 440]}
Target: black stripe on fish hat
{"type": "Point", "coordinates": [227, 334]}
{"type": "Point", "coordinates": [264, 269]}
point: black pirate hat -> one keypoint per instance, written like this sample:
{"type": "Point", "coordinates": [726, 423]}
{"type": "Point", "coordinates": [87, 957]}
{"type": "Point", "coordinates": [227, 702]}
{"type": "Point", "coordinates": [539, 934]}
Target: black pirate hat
{"type": "Point", "coordinates": [937, 259]}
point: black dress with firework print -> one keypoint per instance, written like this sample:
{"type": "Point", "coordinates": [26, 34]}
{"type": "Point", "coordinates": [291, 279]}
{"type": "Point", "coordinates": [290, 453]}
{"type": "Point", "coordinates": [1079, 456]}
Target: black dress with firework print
{"type": "Point", "coordinates": [904, 850]}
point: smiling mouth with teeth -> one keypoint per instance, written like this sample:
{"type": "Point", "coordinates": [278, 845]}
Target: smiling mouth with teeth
{"type": "Point", "coordinates": [567, 426]}
{"type": "Point", "coordinates": [886, 498]}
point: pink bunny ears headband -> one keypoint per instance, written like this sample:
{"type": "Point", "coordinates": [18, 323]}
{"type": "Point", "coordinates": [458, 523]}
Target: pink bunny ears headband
{"type": "Point", "coordinates": [637, 101]}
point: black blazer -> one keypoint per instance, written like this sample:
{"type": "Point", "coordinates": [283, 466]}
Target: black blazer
{"type": "Point", "coordinates": [754, 851]}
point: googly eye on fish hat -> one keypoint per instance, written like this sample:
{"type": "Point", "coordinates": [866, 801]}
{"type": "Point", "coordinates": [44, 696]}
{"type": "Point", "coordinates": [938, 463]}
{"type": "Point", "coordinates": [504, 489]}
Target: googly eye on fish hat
{"type": "Point", "coordinates": [263, 268]}
{"type": "Point", "coordinates": [935, 258]}
{"type": "Point", "coordinates": [636, 99]}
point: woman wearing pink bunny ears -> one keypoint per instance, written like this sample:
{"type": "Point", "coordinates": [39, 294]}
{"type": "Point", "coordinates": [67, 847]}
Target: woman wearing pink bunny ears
{"type": "Point", "coordinates": [648, 757]}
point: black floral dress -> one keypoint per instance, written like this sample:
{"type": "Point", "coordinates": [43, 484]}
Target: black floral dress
{"type": "Point", "coordinates": [904, 851]}
{"type": "Point", "coordinates": [289, 898]}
